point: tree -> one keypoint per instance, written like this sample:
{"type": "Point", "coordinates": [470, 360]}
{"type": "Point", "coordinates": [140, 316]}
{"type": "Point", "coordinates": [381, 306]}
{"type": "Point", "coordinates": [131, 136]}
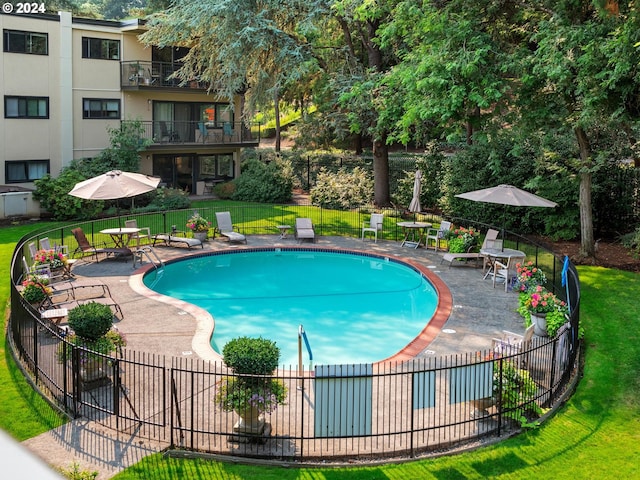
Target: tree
{"type": "Point", "coordinates": [582, 74]}
{"type": "Point", "coordinates": [238, 47]}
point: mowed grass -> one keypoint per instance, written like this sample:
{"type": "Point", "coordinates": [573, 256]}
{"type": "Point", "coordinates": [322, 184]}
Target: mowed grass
{"type": "Point", "coordinates": [596, 435]}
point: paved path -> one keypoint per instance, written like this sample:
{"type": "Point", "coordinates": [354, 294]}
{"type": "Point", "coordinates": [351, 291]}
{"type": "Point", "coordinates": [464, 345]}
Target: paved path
{"type": "Point", "coordinates": [479, 313]}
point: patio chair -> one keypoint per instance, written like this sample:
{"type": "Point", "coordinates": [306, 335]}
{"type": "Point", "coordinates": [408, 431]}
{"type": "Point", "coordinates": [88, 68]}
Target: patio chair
{"type": "Point", "coordinates": [506, 271]}
{"type": "Point", "coordinates": [437, 235]}
{"type": "Point", "coordinates": [490, 241]}
{"type": "Point", "coordinates": [86, 249]}
{"type": "Point", "coordinates": [304, 230]}
{"type": "Point", "coordinates": [144, 233]}
{"type": "Point", "coordinates": [512, 344]}
{"type": "Point", "coordinates": [226, 229]}
{"type": "Point", "coordinates": [373, 226]}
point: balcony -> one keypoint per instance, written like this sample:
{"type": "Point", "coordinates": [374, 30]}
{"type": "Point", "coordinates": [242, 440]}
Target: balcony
{"type": "Point", "coordinates": [139, 74]}
{"type": "Point", "coordinates": [206, 134]}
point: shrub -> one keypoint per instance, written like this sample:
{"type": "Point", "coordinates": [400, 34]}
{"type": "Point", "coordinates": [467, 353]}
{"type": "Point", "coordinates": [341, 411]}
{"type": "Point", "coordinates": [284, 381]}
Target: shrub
{"type": "Point", "coordinates": [53, 195]}
{"type": "Point", "coordinates": [91, 320]}
{"type": "Point", "coordinates": [167, 199]}
{"type": "Point", "coordinates": [344, 189]}
{"type": "Point", "coordinates": [265, 183]}
{"type": "Point", "coordinates": [224, 191]}
{"type": "Point", "coordinates": [254, 356]}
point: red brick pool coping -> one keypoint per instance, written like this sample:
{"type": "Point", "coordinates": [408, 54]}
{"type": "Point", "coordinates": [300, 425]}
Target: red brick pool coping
{"type": "Point", "coordinates": [206, 323]}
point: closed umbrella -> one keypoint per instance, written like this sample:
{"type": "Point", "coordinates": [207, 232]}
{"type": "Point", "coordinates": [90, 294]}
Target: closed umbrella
{"type": "Point", "coordinates": [507, 195]}
{"type": "Point", "coordinates": [414, 206]}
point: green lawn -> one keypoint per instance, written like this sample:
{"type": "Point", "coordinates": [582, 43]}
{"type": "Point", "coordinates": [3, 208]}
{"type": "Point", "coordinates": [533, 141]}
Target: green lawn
{"type": "Point", "coordinates": [596, 435]}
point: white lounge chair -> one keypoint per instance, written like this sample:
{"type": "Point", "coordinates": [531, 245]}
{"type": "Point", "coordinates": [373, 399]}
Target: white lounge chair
{"type": "Point", "coordinates": [513, 344]}
{"type": "Point", "coordinates": [304, 230]}
{"type": "Point", "coordinates": [226, 229]}
{"type": "Point", "coordinates": [374, 225]}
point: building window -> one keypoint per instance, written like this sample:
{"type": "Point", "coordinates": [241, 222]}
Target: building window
{"type": "Point", "coordinates": [16, 41]}
{"type": "Point", "coordinates": [100, 48]}
{"type": "Point", "coordinates": [101, 108]}
{"type": "Point", "coordinates": [26, 107]}
{"type": "Point", "coordinates": [25, 170]}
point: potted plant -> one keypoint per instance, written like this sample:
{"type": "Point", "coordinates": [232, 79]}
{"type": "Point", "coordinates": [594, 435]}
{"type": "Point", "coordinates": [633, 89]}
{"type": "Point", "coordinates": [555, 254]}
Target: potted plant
{"type": "Point", "coordinates": [528, 276]}
{"type": "Point", "coordinates": [462, 240]}
{"type": "Point", "coordinates": [252, 392]}
{"type": "Point", "coordinates": [35, 291]}
{"type": "Point", "coordinates": [55, 260]}
{"type": "Point", "coordinates": [514, 391]}
{"type": "Point", "coordinates": [92, 325]}
{"type": "Point", "coordinates": [539, 306]}
{"type": "Point", "coordinates": [199, 226]}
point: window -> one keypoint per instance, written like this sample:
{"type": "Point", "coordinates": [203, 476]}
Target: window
{"type": "Point", "coordinates": [16, 41]}
{"type": "Point", "coordinates": [101, 108]}
{"type": "Point", "coordinates": [25, 170]}
{"type": "Point", "coordinates": [100, 48]}
{"type": "Point", "coordinates": [26, 107]}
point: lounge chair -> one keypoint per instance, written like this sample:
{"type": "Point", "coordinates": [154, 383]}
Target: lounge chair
{"type": "Point", "coordinates": [513, 344]}
{"type": "Point", "coordinates": [304, 230]}
{"type": "Point", "coordinates": [86, 249]}
{"type": "Point", "coordinates": [490, 241]}
{"type": "Point", "coordinates": [437, 235]}
{"type": "Point", "coordinates": [226, 229]}
{"type": "Point", "coordinates": [170, 238]}
{"type": "Point", "coordinates": [374, 225]}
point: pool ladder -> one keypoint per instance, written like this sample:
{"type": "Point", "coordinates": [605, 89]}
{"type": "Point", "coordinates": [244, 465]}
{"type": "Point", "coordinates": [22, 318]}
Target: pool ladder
{"type": "Point", "coordinates": [151, 255]}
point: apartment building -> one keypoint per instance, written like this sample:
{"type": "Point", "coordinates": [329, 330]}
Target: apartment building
{"type": "Point", "coordinates": [66, 80]}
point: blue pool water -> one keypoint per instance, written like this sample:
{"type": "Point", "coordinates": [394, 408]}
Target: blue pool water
{"type": "Point", "coordinates": [354, 308]}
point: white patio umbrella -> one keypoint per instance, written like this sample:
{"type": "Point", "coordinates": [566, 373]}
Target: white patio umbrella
{"type": "Point", "coordinates": [507, 195]}
{"type": "Point", "coordinates": [414, 206]}
{"type": "Point", "coordinates": [114, 185]}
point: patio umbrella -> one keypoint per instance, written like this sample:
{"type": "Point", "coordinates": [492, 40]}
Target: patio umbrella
{"type": "Point", "coordinates": [414, 206]}
{"type": "Point", "coordinates": [114, 185]}
{"type": "Point", "coordinates": [507, 195]}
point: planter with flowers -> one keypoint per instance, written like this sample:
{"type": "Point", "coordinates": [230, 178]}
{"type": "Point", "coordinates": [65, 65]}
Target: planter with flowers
{"type": "Point", "coordinates": [35, 290]}
{"type": "Point", "coordinates": [199, 226]}
{"type": "Point", "coordinates": [543, 309]}
{"type": "Point", "coordinates": [462, 240]}
{"type": "Point", "coordinates": [93, 331]}
{"type": "Point", "coordinates": [251, 392]}
{"type": "Point", "coordinates": [55, 260]}
{"type": "Point", "coordinates": [528, 276]}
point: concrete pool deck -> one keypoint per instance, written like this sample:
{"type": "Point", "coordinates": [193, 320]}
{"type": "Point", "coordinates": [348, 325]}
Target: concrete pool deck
{"type": "Point", "coordinates": [478, 313]}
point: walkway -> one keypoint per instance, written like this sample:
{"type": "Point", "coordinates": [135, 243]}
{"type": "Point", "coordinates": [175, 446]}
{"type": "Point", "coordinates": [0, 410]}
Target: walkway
{"type": "Point", "coordinates": [479, 313]}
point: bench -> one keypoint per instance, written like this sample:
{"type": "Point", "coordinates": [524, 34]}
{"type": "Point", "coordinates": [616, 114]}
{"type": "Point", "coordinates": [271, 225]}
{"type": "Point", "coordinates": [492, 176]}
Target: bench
{"type": "Point", "coordinates": [466, 256]}
{"type": "Point", "coordinates": [169, 239]}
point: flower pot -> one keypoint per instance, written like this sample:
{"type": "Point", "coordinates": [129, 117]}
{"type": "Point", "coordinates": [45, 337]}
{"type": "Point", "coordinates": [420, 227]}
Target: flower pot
{"type": "Point", "coordinates": [94, 373]}
{"type": "Point", "coordinates": [539, 321]}
{"type": "Point", "coordinates": [202, 236]}
{"type": "Point", "coordinates": [250, 422]}
{"type": "Point", "coordinates": [480, 406]}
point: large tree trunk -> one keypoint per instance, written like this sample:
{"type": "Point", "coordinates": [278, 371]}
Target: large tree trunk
{"type": "Point", "coordinates": [276, 108]}
{"type": "Point", "coordinates": [587, 245]}
{"type": "Point", "coordinates": [381, 172]}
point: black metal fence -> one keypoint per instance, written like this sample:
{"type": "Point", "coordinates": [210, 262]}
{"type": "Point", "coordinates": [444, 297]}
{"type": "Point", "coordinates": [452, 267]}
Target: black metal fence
{"type": "Point", "coordinates": [366, 411]}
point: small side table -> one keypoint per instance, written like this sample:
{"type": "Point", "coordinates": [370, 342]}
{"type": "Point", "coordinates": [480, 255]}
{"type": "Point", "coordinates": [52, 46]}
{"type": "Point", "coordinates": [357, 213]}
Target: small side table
{"type": "Point", "coordinates": [283, 230]}
{"type": "Point", "coordinates": [55, 315]}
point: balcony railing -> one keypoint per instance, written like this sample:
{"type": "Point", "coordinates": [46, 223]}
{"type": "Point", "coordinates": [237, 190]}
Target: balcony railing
{"type": "Point", "coordinates": [201, 133]}
{"type": "Point", "coordinates": [146, 74]}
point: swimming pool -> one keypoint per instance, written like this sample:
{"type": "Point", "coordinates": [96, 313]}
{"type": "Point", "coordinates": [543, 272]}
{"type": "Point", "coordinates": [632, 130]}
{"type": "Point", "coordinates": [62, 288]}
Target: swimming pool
{"type": "Point", "coordinates": [355, 308]}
